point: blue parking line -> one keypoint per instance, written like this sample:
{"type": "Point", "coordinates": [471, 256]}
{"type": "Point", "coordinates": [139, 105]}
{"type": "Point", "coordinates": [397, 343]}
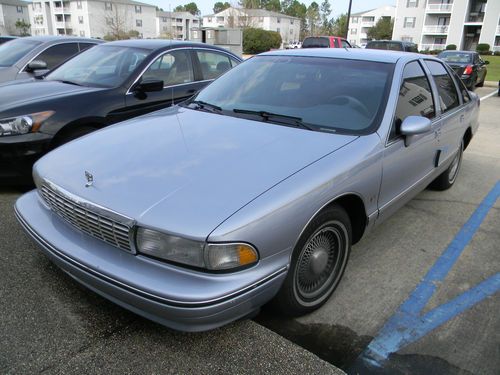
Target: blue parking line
{"type": "Point", "coordinates": [407, 325]}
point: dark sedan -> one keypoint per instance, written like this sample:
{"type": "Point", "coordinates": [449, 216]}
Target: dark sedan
{"type": "Point", "coordinates": [23, 58]}
{"type": "Point", "coordinates": [468, 65]}
{"type": "Point", "coordinates": [104, 85]}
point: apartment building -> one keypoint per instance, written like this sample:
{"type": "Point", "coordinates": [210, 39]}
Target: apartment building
{"type": "Point", "coordinates": [176, 25]}
{"type": "Point", "coordinates": [92, 18]}
{"type": "Point", "coordinates": [361, 22]}
{"type": "Point", "coordinates": [287, 26]}
{"type": "Point", "coordinates": [10, 12]}
{"type": "Point", "coordinates": [433, 24]}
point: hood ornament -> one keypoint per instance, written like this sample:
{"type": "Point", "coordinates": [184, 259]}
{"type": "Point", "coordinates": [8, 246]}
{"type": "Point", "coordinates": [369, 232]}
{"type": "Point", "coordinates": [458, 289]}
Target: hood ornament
{"type": "Point", "coordinates": [90, 179]}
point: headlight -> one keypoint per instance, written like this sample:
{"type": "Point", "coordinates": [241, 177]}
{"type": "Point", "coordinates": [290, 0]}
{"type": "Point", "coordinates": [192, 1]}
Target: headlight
{"type": "Point", "coordinates": [221, 256]}
{"type": "Point", "coordinates": [23, 124]}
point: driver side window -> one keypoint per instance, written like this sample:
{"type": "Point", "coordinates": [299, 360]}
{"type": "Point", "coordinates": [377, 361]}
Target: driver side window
{"type": "Point", "coordinates": [172, 68]}
{"type": "Point", "coordinates": [415, 97]}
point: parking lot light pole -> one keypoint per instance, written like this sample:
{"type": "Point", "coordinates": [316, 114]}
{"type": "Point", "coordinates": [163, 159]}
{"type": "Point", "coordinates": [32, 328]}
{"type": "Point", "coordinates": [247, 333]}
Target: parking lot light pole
{"type": "Point", "coordinates": [348, 18]}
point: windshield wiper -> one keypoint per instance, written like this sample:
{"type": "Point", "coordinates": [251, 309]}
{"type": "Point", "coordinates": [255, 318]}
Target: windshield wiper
{"type": "Point", "coordinates": [276, 118]}
{"type": "Point", "coordinates": [207, 106]}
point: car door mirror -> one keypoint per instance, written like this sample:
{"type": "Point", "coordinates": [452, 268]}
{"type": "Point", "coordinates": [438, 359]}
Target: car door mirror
{"type": "Point", "coordinates": [36, 65]}
{"type": "Point", "coordinates": [486, 62]}
{"type": "Point", "coordinates": [149, 85]}
{"type": "Point", "coordinates": [414, 125]}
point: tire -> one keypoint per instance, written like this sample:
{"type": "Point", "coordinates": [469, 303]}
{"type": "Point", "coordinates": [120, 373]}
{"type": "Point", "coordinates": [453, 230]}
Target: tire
{"type": "Point", "coordinates": [73, 134]}
{"type": "Point", "coordinates": [446, 179]}
{"type": "Point", "coordinates": [481, 84]}
{"type": "Point", "coordinates": [318, 262]}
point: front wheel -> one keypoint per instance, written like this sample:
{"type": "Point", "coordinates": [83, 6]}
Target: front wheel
{"type": "Point", "coordinates": [446, 179]}
{"type": "Point", "coordinates": [318, 263]}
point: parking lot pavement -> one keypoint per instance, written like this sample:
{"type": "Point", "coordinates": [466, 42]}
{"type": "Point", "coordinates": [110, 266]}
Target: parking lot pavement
{"type": "Point", "coordinates": [50, 324]}
{"type": "Point", "coordinates": [363, 315]}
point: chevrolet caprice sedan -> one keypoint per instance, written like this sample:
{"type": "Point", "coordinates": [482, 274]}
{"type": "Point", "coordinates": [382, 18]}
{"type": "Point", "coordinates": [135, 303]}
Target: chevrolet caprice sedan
{"type": "Point", "coordinates": [255, 189]}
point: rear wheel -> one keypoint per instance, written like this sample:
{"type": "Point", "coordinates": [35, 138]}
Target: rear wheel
{"type": "Point", "coordinates": [318, 263]}
{"type": "Point", "coordinates": [446, 179]}
{"type": "Point", "coordinates": [481, 84]}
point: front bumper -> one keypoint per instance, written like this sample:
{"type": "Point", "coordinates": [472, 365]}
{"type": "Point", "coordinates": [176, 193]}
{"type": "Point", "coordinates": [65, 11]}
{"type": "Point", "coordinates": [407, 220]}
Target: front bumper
{"type": "Point", "coordinates": [173, 296]}
{"type": "Point", "coordinates": [18, 153]}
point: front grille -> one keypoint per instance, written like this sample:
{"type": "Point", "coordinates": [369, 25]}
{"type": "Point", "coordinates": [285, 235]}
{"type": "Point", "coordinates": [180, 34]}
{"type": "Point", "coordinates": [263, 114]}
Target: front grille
{"type": "Point", "coordinates": [88, 221]}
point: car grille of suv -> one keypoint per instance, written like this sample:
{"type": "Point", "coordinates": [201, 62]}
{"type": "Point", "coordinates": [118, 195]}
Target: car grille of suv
{"type": "Point", "coordinates": [96, 225]}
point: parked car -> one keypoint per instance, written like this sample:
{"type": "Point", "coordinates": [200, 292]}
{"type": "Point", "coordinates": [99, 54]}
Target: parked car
{"type": "Point", "coordinates": [325, 42]}
{"type": "Point", "coordinates": [254, 189]}
{"type": "Point", "coordinates": [295, 44]}
{"type": "Point", "coordinates": [392, 45]}
{"type": "Point", "coordinates": [6, 38]}
{"type": "Point", "coordinates": [468, 65]}
{"type": "Point", "coordinates": [23, 58]}
{"type": "Point", "coordinates": [106, 84]}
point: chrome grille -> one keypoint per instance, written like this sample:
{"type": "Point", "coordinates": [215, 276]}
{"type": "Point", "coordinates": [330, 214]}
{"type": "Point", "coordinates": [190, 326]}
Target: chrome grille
{"type": "Point", "coordinates": [92, 223]}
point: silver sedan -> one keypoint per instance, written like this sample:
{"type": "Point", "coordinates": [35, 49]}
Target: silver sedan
{"type": "Point", "coordinates": [255, 189]}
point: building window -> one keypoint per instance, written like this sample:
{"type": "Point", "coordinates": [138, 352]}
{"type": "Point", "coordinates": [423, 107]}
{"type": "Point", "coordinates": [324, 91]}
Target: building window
{"type": "Point", "coordinates": [407, 39]}
{"type": "Point", "coordinates": [109, 21]}
{"type": "Point", "coordinates": [209, 19]}
{"type": "Point", "coordinates": [368, 19]}
{"type": "Point", "coordinates": [355, 19]}
{"type": "Point", "coordinates": [409, 22]}
{"type": "Point", "coordinates": [354, 31]}
{"type": "Point", "coordinates": [108, 6]}
{"type": "Point", "coordinates": [138, 23]}
{"type": "Point", "coordinates": [278, 20]}
{"type": "Point", "coordinates": [412, 3]}
{"type": "Point", "coordinates": [19, 9]}
{"type": "Point", "coordinates": [291, 21]}
{"type": "Point", "coordinates": [220, 19]}
{"type": "Point", "coordinates": [138, 9]}
{"type": "Point", "coordinates": [195, 21]}
{"type": "Point", "coordinates": [80, 19]}
{"type": "Point", "coordinates": [82, 33]}
{"type": "Point", "coordinates": [278, 29]}
{"type": "Point", "coordinates": [79, 5]}
{"type": "Point", "coordinates": [440, 41]}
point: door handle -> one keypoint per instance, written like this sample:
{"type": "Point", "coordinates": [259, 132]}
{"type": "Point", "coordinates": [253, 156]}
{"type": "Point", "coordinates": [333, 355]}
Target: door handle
{"type": "Point", "coordinates": [462, 118]}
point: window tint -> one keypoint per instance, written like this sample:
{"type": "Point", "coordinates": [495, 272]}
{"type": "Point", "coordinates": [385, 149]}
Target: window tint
{"type": "Point", "coordinates": [448, 95]}
{"type": "Point", "coordinates": [464, 93]}
{"type": "Point", "coordinates": [234, 62]}
{"type": "Point", "coordinates": [213, 64]}
{"type": "Point", "coordinates": [172, 68]}
{"type": "Point", "coordinates": [345, 44]}
{"type": "Point", "coordinates": [84, 46]}
{"type": "Point", "coordinates": [415, 97]}
{"type": "Point", "coordinates": [336, 43]}
{"type": "Point", "coordinates": [316, 42]}
{"type": "Point", "coordinates": [55, 55]}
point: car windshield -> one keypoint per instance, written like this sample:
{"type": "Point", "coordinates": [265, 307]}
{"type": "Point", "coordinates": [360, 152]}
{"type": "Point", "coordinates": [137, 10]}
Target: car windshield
{"type": "Point", "coordinates": [11, 52]}
{"type": "Point", "coordinates": [456, 57]}
{"type": "Point", "coordinates": [392, 46]}
{"type": "Point", "coordinates": [322, 94]}
{"type": "Point", "coordinates": [101, 66]}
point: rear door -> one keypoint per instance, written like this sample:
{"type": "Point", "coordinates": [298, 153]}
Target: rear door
{"type": "Point", "coordinates": [406, 169]}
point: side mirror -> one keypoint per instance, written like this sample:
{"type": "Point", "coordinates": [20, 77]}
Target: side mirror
{"type": "Point", "coordinates": [149, 85]}
{"type": "Point", "coordinates": [36, 65]}
{"type": "Point", "coordinates": [486, 62]}
{"type": "Point", "coordinates": [414, 125]}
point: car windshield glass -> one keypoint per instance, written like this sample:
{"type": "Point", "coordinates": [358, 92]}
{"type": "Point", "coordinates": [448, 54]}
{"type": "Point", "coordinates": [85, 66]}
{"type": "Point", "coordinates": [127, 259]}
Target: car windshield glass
{"type": "Point", "coordinates": [316, 42]}
{"type": "Point", "coordinates": [11, 52]}
{"type": "Point", "coordinates": [101, 66]}
{"type": "Point", "coordinates": [456, 57]}
{"type": "Point", "coordinates": [323, 94]}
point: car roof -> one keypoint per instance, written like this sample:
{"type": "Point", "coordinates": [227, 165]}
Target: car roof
{"type": "Point", "coordinates": [390, 41]}
{"type": "Point", "coordinates": [454, 51]}
{"type": "Point", "coordinates": [349, 53]}
{"type": "Point", "coordinates": [56, 38]}
{"type": "Point", "coordinates": [154, 44]}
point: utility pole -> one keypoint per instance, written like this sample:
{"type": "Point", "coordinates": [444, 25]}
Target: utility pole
{"type": "Point", "coordinates": [348, 19]}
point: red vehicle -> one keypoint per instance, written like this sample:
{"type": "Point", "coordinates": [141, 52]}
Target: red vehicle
{"type": "Point", "coordinates": [325, 42]}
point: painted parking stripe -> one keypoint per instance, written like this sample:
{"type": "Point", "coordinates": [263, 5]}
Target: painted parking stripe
{"type": "Point", "coordinates": [407, 325]}
{"type": "Point", "coordinates": [489, 95]}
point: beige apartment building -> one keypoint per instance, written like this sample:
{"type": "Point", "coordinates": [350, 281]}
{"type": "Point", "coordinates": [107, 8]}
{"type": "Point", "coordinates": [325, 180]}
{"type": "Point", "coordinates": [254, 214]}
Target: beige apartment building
{"type": "Point", "coordinates": [361, 22]}
{"type": "Point", "coordinates": [10, 12]}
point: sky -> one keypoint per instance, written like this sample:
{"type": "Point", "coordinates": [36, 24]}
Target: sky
{"type": "Point", "coordinates": [338, 6]}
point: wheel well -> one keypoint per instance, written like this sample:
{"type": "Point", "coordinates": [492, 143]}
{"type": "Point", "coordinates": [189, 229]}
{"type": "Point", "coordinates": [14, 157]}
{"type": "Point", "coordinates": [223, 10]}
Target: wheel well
{"type": "Point", "coordinates": [467, 137]}
{"type": "Point", "coordinates": [62, 133]}
{"type": "Point", "coordinates": [355, 208]}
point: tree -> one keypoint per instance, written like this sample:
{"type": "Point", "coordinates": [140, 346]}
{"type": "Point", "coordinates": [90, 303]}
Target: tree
{"type": "Point", "coordinates": [272, 5]}
{"type": "Point", "coordinates": [382, 29]}
{"type": "Point", "coordinates": [219, 6]}
{"type": "Point", "coordinates": [115, 21]}
{"type": "Point", "coordinates": [339, 25]}
{"type": "Point", "coordinates": [250, 4]}
{"type": "Point", "coordinates": [326, 10]}
{"type": "Point", "coordinates": [313, 17]}
{"type": "Point", "coordinates": [23, 27]}
{"type": "Point", "coordinates": [190, 7]}
{"type": "Point", "coordinates": [297, 9]}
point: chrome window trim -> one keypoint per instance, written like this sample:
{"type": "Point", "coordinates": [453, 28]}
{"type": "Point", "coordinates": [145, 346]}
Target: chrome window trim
{"type": "Point", "coordinates": [52, 45]}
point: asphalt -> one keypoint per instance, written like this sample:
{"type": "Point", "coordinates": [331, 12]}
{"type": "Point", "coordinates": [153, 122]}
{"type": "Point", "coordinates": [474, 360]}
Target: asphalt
{"type": "Point", "coordinates": [386, 266]}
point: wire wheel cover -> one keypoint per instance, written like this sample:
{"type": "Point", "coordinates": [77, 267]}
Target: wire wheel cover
{"type": "Point", "coordinates": [320, 262]}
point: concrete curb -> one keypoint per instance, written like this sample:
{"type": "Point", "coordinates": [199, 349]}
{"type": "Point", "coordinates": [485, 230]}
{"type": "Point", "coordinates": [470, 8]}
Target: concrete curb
{"type": "Point", "coordinates": [491, 84]}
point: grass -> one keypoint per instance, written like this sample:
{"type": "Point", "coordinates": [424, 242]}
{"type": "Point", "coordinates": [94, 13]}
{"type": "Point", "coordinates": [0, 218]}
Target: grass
{"type": "Point", "coordinates": [493, 68]}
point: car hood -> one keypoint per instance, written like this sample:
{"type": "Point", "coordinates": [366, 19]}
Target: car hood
{"type": "Point", "coordinates": [22, 93]}
{"type": "Point", "coordinates": [181, 170]}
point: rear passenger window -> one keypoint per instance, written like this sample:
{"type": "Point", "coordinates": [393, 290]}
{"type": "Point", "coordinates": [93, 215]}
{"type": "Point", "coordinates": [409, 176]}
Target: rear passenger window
{"type": "Point", "coordinates": [448, 95]}
{"type": "Point", "coordinates": [415, 97]}
{"type": "Point", "coordinates": [173, 68]}
{"type": "Point", "coordinates": [57, 54]}
{"type": "Point", "coordinates": [213, 64]}
{"type": "Point", "coordinates": [464, 93]}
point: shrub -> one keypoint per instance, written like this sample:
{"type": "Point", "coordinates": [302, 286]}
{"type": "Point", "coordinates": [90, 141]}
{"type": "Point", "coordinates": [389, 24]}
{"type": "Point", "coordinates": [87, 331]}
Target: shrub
{"type": "Point", "coordinates": [451, 47]}
{"type": "Point", "coordinates": [483, 48]}
{"type": "Point", "coordinates": [258, 40]}
{"type": "Point", "coordinates": [496, 53]}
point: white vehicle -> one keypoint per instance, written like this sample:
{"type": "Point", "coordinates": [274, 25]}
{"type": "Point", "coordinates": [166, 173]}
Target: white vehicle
{"type": "Point", "coordinates": [294, 44]}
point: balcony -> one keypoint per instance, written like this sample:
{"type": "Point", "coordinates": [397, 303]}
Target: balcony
{"type": "Point", "coordinates": [60, 25]}
{"type": "Point", "coordinates": [498, 30]}
{"type": "Point", "coordinates": [432, 47]}
{"type": "Point", "coordinates": [368, 24]}
{"type": "Point", "coordinates": [62, 10]}
{"type": "Point", "coordinates": [439, 8]}
{"type": "Point", "coordinates": [436, 29]}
